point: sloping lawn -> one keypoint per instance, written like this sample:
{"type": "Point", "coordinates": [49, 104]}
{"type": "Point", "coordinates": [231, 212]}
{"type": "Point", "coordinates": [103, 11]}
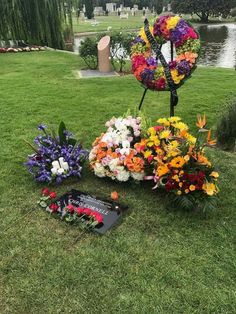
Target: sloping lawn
{"type": "Point", "coordinates": [156, 261]}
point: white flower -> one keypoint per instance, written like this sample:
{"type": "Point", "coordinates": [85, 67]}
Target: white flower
{"type": "Point", "coordinates": [137, 176]}
{"type": "Point", "coordinates": [99, 170]}
{"type": "Point", "coordinates": [60, 171]}
{"type": "Point", "coordinates": [123, 175]}
{"type": "Point", "coordinates": [92, 155]}
{"type": "Point", "coordinates": [113, 164]}
{"type": "Point", "coordinates": [126, 148]}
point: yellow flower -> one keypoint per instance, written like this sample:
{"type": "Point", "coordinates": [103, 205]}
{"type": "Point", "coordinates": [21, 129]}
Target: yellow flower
{"type": "Point", "coordinates": [144, 36]}
{"type": "Point", "coordinates": [209, 188]}
{"type": "Point", "coordinates": [191, 139]}
{"type": "Point", "coordinates": [174, 119]}
{"type": "Point", "coordinates": [147, 154]}
{"type": "Point", "coordinates": [162, 170]}
{"type": "Point", "coordinates": [172, 22]}
{"type": "Point", "coordinates": [163, 121]}
{"type": "Point", "coordinates": [164, 134]}
{"type": "Point", "coordinates": [180, 184]}
{"type": "Point", "coordinates": [179, 192]}
{"type": "Point", "coordinates": [176, 178]}
{"type": "Point", "coordinates": [177, 162]}
{"type": "Point", "coordinates": [181, 126]}
{"type": "Point", "coordinates": [186, 191]}
{"type": "Point", "coordinates": [176, 77]}
{"type": "Point", "coordinates": [186, 158]}
{"type": "Point", "coordinates": [155, 140]}
{"type": "Point", "coordinates": [152, 131]}
{"type": "Point", "coordinates": [214, 174]}
{"type": "Point", "coordinates": [192, 187]}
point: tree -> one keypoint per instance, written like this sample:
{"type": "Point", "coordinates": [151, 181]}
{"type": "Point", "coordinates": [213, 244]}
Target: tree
{"type": "Point", "coordinates": [35, 22]}
{"type": "Point", "coordinates": [89, 8]}
{"type": "Point", "coordinates": [203, 8]}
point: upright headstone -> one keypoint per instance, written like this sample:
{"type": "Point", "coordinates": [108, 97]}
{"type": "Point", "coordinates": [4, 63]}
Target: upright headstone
{"type": "Point", "coordinates": [104, 55]}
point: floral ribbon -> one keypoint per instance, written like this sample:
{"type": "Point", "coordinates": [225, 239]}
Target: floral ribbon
{"type": "Point", "coordinates": [156, 48]}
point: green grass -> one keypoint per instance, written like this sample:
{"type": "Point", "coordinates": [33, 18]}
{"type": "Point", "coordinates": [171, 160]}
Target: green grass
{"type": "Point", "coordinates": [114, 21]}
{"type": "Point", "coordinates": [132, 23]}
{"type": "Point", "coordinates": [156, 261]}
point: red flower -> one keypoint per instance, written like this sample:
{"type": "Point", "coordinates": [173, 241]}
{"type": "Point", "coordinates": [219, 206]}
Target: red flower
{"type": "Point", "coordinates": [87, 211]}
{"type": "Point", "coordinates": [53, 195]}
{"type": "Point", "coordinates": [70, 208]}
{"type": "Point", "coordinates": [161, 83]}
{"type": "Point", "coordinates": [158, 128]}
{"type": "Point", "coordinates": [54, 207]}
{"type": "Point", "coordinates": [45, 192]}
{"type": "Point", "coordinates": [99, 217]}
{"type": "Point", "coordinates": [80, 211]}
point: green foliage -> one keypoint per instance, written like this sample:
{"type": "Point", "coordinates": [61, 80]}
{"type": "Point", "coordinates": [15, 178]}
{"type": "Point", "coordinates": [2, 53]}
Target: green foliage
{"type": "Point", "coordinates": [61, 133]}
{"type": "Point", "coordinates": [36, 22]}
{"type": "Point", "coordinates": [226, 128]}
{"type": "Point", "coordinates": [89, 9]}
{"type": "Point", "coordinates": [89, 52]}
{"type": "Point", "coordinates": [191, 203]}
{"type": "Point", "coordinates": [120, 49]}
{"type": "Point", "coordinates": [203, 8]}
{"type": "Point", "coordinates": [233, 12]}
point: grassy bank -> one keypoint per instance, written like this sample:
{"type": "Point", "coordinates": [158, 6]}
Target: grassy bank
{"type": "Point", "coordinates": [156, 261]}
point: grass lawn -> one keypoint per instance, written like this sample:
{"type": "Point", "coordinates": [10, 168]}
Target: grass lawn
{"type": "Point", "coordinates": [114, 21]}
{"type": "Point", "coordinates": [156, 261]}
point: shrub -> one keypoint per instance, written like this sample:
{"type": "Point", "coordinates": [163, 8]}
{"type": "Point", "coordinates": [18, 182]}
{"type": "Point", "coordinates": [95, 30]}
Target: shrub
{"type": "Point", "coordinates": [226, 128]}
{"type": "Point", "coordinates": [89, 53]}
{"type": "Point", "coordinates": [120, 49]}
{"type": "Point", "coordinates": [89, 9]}
{"type": "Point", "coordinates": [233, 12]}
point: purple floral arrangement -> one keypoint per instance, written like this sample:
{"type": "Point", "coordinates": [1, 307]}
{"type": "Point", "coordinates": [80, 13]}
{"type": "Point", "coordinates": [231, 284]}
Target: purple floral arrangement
{"type": "Point", "coordinates": [56, 157]}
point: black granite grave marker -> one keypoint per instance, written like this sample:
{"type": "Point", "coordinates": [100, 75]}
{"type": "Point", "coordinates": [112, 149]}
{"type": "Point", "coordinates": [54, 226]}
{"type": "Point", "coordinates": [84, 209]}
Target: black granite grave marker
{"type": "Point", "coordinates": [111, 211]}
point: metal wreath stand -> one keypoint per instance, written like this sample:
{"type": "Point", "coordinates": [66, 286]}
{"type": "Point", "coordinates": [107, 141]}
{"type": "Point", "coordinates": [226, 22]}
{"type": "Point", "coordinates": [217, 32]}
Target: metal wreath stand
{"type": "Point", "coordinates": [157, 49]}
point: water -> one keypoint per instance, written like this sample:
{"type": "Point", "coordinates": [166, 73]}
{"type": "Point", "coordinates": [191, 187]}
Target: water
{"type": "Point", "coordinates": [218, 45]}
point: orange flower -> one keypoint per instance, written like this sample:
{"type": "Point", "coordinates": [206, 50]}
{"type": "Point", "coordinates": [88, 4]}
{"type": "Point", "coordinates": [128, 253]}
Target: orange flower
{"type": "Point", "coordinates": [162, 170]}
{"type": "Point", "coordinates": [201, 121]}
{"type": "Point", "coordinates": [114, 196]}
{"type": "Point", "coordinates": [210, 141]}
{"type": "Point", "coordinates": [188, 56]}
{"type": "Point", "coordinates": [202, 160]}
{"type": "Point", "coordinates": [177, 162]}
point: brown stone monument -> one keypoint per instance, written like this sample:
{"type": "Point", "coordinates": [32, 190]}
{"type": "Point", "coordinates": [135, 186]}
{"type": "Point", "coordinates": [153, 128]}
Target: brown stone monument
{"type": "Point", "coordinates": [104, 62]}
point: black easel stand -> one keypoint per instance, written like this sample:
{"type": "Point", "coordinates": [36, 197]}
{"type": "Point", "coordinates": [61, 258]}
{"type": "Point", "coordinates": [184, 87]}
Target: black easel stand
{"type": "Point", "coordinates": [173, 93]}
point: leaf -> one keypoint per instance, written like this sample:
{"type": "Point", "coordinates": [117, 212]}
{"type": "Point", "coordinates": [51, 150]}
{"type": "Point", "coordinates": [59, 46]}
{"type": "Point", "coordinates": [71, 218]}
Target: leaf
{"type": "Point", "coordinates": [72, 142]}
{"type": "Point", "coordinates": [61, 133]}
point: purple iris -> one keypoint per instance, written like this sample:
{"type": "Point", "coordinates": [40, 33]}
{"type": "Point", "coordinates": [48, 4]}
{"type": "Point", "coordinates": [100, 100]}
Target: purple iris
{"type": "Point", "coordinates": [42, 127]}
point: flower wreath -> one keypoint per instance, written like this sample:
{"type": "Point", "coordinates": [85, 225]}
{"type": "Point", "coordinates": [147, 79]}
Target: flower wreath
{"type": "Point", "coordinates": [187, 45]}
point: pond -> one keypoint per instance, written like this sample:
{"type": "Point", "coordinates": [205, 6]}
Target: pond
{"type": "Point", "coordinates": [218, 45]}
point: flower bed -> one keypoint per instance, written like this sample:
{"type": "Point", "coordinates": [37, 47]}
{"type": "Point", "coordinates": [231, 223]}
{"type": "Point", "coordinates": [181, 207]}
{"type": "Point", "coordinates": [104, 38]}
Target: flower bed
{"type": "Point", "coordinates": [22, 49]}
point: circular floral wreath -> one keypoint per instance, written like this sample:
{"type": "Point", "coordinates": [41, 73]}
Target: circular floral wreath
{"type": "Point", "coordinates": [186, 42]}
